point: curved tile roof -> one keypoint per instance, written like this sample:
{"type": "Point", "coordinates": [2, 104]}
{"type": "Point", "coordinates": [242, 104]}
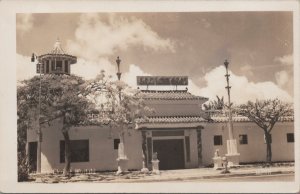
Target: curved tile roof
{"type": "Point", "coordinates": [221, 119]}
{"type": "Point", "coordinates": [170, 95]}
{"type": "Point", "coordinates": [173, 119]}
{"type": "Point", "coordinates": [197, 119]}
{"type": "Point", "coordinates": [58, 52]}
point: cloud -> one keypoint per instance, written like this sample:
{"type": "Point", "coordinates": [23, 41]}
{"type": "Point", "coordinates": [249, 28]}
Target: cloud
{"type": "Point", "coordinates": [247, 70]}
{"type": "Point", "coordinates": [97, 37]}
{"type": "Point", "coordinates": [130, 76]}
{"type": "Point", "coordinates": [89, 69]}
{"type": "Point", "coordinates": [242, 89]}
{"type": "Point", "coordinates": [282, 78]}
{"type": "Point", "coordinates": [25, 68]}
{"type": "Point", "coordinates": [24, 22]}
{"type": "Point", "coordinates": [285, 60]}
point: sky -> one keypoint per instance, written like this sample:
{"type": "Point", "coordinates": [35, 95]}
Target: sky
{"type": "Point", "coordinates": [258, 46]}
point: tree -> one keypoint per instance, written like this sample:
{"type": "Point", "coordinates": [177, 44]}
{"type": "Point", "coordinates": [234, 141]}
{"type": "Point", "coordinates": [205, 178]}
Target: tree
{"type": "Point", "coordinates": [117, 105]}
{"type": "Point", "coordinates": [60, 99]}
{"type": "Point", "coordinates": [265, 113]}
{"type": "Point", "coordinates": [23, 168]}
{"type": "Point", "coordinates": [218, 104]}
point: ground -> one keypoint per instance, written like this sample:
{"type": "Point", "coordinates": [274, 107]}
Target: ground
{"type": "Point", "coordinates": [244, 172]}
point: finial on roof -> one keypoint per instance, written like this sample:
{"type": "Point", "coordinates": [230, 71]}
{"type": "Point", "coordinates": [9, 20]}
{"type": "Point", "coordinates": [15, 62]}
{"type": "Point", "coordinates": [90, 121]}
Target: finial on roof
{"type": "Point", "coordinates": [57, 43]}
{"type": "Point", "coordinates": [57, 47]}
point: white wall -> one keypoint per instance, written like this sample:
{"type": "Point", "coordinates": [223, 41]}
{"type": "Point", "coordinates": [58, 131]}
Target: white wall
{"type": "Point", "coordinates": [102, 155]}
{"type": "Point", "coordinates": [255, 150]}
{"type": "Point", "coordinates": [193, 150]}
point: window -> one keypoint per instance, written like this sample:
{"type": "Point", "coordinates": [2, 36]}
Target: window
{"type": "Point", "coordinates": [290, 137]}
{"type": "Point", "coordinates": [47, 66]}
{"type": "Point", "coordinates": [79, 151]}
{"type": "Point", "coordinates": [66, 67]}
{"type": "Point", "coordinates": [243, 139]}
{"type": "Point", "coordinates": [52, 65]}
{"type": "Point", "coordinates": [218, 140]}
{"type": "Point", "coordinates": [58, 66]}
{"type": "Point", "coordinates": [270, 138]}
{"type": "Point", "coordinates": [116, 143]}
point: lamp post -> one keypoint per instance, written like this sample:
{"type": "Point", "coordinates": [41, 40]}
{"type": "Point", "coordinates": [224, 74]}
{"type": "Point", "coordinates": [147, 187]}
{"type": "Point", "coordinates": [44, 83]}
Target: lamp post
{"type": "Point", "coordinates": [228, 87]}
{"type": "Point", "coordinates": [122, 158]}
{"type": "Point", "coordinates": [39, 131]}
{"type": "Point", "coordinates": [232, 153]}
{"type": "Point", "coordinates": [118, 61]}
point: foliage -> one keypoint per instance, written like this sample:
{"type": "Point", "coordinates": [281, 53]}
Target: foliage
{"type": "Point", "coordinates": [60, 98]}
{"type": "Point", "coordinates": [25, 120]}
{"type": "Point", "coordinates": [115, 102]}
{"type": "Point", "coordinates": [218, 104]}
{"type": "Point", "coordinates": [23, 166]}
{"type": "Point", "coordinates": [265, 113]}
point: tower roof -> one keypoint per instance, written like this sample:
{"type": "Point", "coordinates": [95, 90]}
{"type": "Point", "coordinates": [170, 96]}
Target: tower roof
{"type": "Point", "coordinates": [57, 48]}
{"type": "Point", "coordinates": [58, 53]}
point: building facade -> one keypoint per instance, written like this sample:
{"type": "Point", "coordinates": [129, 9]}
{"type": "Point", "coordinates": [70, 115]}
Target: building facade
{"type": "Point", "coordinates": [179, 132]}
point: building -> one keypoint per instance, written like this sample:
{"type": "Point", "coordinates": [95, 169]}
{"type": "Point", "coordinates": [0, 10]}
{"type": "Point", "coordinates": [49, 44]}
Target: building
{"type": "Point", "coordinates": [182, 139]}
{"type": "Point", "coordinates": [180, 132]}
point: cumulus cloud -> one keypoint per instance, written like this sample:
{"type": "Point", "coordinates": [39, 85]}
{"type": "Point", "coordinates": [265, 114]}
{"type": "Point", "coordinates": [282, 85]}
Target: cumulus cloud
{"type": "Point", "coordinates": [24, 22]}
{"type": "Point", "coordinates": [89, 69]}
{"type": "Point", "coordinates": [285, 60]}
{"type": "Point", "coordinates": [25, 68]}
{"type": "Point", "coordinates": [242, 89]}
{"type": "Point", "coordinates": [130, 76]}
{"type": "Point", "coordinates": [282, 78]}
{"type": "Point", "coordinates": [97, 37]}
{"type": "Point", "coordinates": [247, 69]}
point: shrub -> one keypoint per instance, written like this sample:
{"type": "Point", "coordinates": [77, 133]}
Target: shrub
{"type": "Point", "coordinates": [23, 167]}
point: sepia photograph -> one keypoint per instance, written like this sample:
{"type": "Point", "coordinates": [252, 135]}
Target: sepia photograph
{"type": "Point", "coordinates": [155, 97]}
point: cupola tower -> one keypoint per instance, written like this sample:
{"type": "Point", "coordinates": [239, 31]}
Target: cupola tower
{"type": "Point", "coordinates": [57, 61]}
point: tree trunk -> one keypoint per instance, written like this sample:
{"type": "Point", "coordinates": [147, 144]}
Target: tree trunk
{"type": "Point", "coordinates": [67, 153]}
{"type": "Point", "coordinates": [269, 148]}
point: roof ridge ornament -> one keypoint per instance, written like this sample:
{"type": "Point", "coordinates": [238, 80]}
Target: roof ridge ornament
{"type": "Point", "coordinates": [57, 48]}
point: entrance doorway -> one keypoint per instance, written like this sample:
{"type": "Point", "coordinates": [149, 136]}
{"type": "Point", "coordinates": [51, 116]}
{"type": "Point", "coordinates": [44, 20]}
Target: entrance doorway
{"type": "Point", "coordinates": [32, 156]}
{"type": "Point", "coordinates": [170, 153]}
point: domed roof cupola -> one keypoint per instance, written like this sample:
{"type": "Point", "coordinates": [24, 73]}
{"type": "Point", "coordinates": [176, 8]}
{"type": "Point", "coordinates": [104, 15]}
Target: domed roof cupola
{"type": "Point", "coordinates": [57, 61]}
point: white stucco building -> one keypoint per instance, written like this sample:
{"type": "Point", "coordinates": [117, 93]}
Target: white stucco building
{"type": "Point", "coordinates": [180, 131]}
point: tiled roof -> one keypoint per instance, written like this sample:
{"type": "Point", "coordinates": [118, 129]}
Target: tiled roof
{"type": "Point", "coordinates": [173, 119]}
{"type": "Point", "coordinates": [58, 52]}
{"type": "Point", "coordinates": [197, 119]}
{"type": "Point", "coordinates": [222, 119]}
{"type": "Point", "coordinates": [170, 95]}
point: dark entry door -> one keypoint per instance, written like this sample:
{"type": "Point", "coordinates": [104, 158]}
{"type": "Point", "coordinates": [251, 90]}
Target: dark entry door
{"type": "Point", "coordinates": [32, 156]}
{"type": "Point", "coordinates": [170, 153]}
